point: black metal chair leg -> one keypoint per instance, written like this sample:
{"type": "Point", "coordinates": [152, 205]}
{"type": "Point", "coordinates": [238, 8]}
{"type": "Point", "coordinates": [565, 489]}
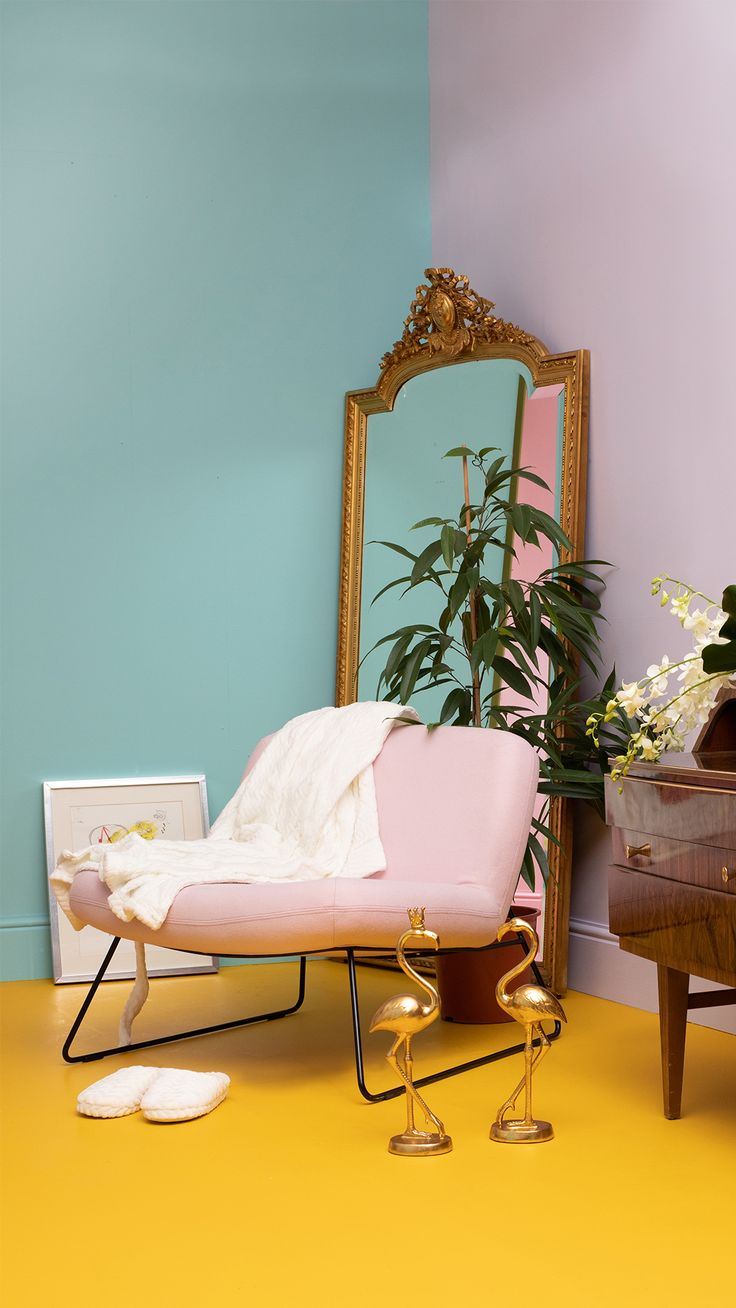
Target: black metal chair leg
{"type": "Point", "coordinates": [424, 1080]}
{"type": "Point", "coordinates": [180, 1035]}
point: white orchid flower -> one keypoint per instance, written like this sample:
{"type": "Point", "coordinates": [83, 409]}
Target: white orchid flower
{"type": "Point", "coordinates": [699, 624]}
{"type": "Point", "coordinates": [658, 674]}
{"type": "Point", "coordinates": [680, 606]}
{"type": "Point", "coordinates": [661, 727]}
{"type": "Point", "coordinates": [630, 697]}
{"type": "Point", "coordinates": [649, 749]}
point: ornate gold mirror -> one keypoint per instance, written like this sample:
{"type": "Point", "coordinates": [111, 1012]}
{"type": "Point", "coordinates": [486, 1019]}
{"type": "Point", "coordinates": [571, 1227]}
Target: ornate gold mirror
{"type": "Point", "coordinates": [458, 376]}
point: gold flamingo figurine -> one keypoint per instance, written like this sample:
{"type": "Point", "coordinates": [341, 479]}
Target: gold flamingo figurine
{"type": "Point", "coordinates": [405, 1015]}
{"type": "Point", "coordinates": [529, 1005]}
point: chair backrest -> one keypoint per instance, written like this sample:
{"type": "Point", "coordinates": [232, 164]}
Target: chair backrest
{"type": "Point", "coordinates": [454, 804]}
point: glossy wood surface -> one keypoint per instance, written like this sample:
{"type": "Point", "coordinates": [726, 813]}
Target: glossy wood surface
{"type": "Point", "coordinates": [673, 923]}
{"type": "Point", "coordinates": [672, 886]}
{"type": "Point", "coordinates": [673, 987]}
{"type": "Point", "coordinates": [716, 769]}
{"type": "Point", "coordinates": [678, 860]}
{"type": "Point", "coordinates": [681, 811]}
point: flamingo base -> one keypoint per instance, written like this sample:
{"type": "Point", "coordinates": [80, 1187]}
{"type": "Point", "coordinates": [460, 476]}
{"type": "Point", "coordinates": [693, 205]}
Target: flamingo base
{"type": "Point", "coordinates": [420, 1142]}
{"type": "Point", "coordinates": [521, 1132]}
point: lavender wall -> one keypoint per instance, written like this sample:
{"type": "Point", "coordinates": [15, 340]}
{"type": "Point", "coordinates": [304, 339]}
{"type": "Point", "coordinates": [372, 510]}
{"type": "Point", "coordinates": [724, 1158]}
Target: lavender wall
{"type": "Point", "coordinates": [584, 176]}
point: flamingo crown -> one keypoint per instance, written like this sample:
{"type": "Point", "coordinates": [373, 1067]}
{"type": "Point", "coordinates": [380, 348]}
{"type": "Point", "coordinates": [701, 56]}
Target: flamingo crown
{"type": "Point", "coordinates": [416, 918]}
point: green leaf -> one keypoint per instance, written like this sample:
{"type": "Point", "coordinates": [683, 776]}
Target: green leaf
{"type": "Point", "coordinates": [512, 676]}
{"type": "Point", "coordinates": [398, 548]}
{"type": "Point", "coordinates": [578, 569]}
{"type": "Point", "coordinates": [520, 515]}
{"type": "Point", "coordinates": [539, 855]}
{"type": "Point", "coordinates": [414, 627]}
{"type": "Point", "coordinates": [535, 619]}
{"type": "Point", "coordinates": [490, 588]}
{"type": "Point", "coordinates": [545, 832]}
{"type": "Point", "coordinates": [528, 664]}
{"type": "Point", "coordinates": [483, 620]}
{"type": "Point", "coordinates": [412, 668]}
{"type": "Point", "coordinates": [458, 593]}
{"type": "Point", "coordinates": [455, 702]}
{"type": "Point", "coordinates": [528, 475]}
{"type": "Point", "coordinates": [396, 655]}
{"type": "Point", "coordinates": [459, 452]}
{"type": "Point", "coordinates": [429, 522]}
{"type": "Point", "coordinates": [722, 658]}
{"type": "Point", "coordinates": [425, 560]}
{"type": "Point", "coordinates": [515, 597]}
{"type": "Point", "coordinates": [551, 529]}
{"type": "Point", "coordinates": [528, 872]}
{"type": "Point", "coordinates": [400, 581]}
{"type": "Point", "coordinates": [719, 658]}
{"type": "Point", "coordinates": [483, 651]}
{"type": "Point", "coordinates": [467, 632]}
{"type": "Point", "coordinates": [493, 470]}
{"type": "Point", "coordinates": [447, 545]}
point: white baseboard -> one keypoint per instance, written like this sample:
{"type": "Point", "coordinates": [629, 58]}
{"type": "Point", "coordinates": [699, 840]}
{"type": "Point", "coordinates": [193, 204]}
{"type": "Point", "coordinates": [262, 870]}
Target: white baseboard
{"type": "Point", "coordinates": [598, 967]}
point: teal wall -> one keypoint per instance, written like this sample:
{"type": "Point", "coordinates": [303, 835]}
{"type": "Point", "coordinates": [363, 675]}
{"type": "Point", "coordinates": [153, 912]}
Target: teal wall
{"type": "Point", "coordinates": [215, 218]}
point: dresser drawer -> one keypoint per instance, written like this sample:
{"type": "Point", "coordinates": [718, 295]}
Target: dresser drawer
{"type": "Point", "coordinates": [693, 814]}
{"type": "Point", "coordinates": [678, 860]}
{"type": "Point", "coordinates": [681, 926]}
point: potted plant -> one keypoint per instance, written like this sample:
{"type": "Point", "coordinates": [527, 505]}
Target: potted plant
{"type": "Point", "coordinates": [510, 651]}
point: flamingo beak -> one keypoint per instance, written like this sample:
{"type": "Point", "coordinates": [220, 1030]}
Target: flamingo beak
{"type": "Point", "coordinates": [429, 938]}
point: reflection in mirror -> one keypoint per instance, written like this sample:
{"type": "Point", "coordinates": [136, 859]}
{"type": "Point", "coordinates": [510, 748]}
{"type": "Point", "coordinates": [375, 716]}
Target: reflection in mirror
{"type": "Point", "coordinates": [407, 479]}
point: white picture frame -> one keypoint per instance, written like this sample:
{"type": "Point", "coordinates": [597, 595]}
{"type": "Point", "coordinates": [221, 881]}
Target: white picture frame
{"type": "Point", "coordinates": [81, 813]}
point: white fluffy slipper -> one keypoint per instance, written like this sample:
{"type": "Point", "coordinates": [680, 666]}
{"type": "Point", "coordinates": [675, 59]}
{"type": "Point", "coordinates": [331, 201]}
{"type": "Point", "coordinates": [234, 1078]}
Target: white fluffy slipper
{"type": "Point", "coordinates": [117, 1094]}
{"type": "Point", "coordinates": [177, 1095]}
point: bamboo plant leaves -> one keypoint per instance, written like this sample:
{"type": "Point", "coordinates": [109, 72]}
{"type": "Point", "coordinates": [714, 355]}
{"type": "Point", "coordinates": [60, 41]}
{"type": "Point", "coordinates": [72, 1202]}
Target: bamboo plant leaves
{"type": "Point", "coordinates": [510, 637]}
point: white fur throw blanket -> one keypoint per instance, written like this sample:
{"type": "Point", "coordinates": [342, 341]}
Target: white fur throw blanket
{"type": "Point", "coordinates": [306, 810]}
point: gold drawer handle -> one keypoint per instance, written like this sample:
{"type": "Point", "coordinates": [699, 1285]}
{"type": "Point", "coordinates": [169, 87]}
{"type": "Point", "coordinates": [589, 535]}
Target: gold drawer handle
{"type": "Point", "coordinates": [727, 876]}
{"type": "Point", "coordinates": [633, 850]}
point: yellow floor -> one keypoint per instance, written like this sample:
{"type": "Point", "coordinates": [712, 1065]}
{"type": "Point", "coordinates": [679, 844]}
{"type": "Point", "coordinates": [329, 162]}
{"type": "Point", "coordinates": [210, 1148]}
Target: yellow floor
{"type": "Point", "coordinates": [286, 1193]}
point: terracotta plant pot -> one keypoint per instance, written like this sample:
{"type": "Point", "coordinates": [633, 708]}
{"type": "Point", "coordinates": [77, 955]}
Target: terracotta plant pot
{"type": "Point", "coordinates": [467, 981]}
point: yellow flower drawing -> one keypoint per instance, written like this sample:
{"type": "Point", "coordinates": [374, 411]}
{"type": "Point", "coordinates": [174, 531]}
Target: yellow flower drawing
{"type": "Point", "coordinates": [146, 830]}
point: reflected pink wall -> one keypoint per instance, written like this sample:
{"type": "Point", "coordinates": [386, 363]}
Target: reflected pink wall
{"type": "Point", "coordinates": [538, 451]}
{"type": "Point", "coordinates": [584, 177]}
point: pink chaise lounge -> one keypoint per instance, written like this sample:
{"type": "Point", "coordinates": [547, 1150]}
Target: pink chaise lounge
{"type": "Point", "coordinates": [454, 809]}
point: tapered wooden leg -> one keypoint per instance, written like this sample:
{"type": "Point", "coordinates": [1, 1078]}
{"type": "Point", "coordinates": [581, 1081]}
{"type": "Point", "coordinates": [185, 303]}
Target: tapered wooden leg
{"type": "Point", "coordinates": [673, 988]}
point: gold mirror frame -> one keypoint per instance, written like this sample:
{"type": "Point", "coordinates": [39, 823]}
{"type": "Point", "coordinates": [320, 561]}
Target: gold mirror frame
{"type": "Point", "coordinates": [449, 324]}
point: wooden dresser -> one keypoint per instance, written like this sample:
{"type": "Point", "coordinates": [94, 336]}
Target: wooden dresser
{"type": "Point", "coordinates": [672, 886]}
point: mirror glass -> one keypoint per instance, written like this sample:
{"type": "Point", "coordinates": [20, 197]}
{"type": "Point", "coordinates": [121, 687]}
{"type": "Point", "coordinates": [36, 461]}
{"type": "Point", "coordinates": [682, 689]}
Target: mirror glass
{"type": "Point", "coordinates": [481, 403]}
{"type": "Point", "coordinates": [488, 402]}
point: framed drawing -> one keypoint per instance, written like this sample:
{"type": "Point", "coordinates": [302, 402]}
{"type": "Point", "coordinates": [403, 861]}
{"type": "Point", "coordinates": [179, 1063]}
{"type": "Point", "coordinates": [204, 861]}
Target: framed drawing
{"type": "Point", "coordinates": [82, 813]}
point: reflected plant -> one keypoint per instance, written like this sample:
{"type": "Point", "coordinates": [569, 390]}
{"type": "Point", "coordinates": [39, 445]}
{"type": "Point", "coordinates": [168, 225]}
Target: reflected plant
{"type": "Point", "coordinates": [493, 640]}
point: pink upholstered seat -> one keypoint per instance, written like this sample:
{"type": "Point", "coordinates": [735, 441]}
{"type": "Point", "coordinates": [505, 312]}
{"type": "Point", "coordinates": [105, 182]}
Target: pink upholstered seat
{"type": "Point", "coordinates": [454, 810]}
